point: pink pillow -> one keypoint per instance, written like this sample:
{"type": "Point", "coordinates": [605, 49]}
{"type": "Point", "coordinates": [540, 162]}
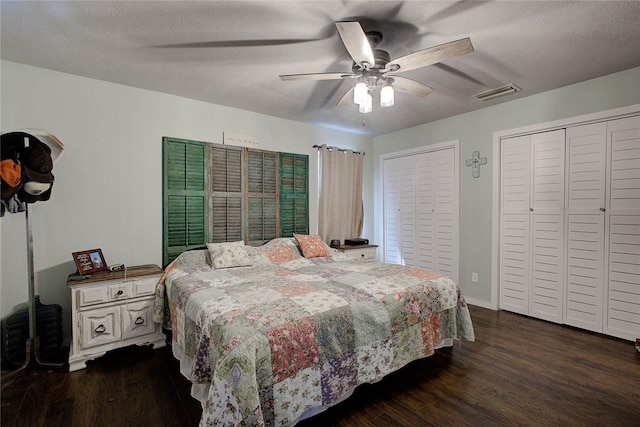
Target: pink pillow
{"type": "Point", "coordinates": [283, 254]}
{"type": "Point", "coordinates": [312, 246]}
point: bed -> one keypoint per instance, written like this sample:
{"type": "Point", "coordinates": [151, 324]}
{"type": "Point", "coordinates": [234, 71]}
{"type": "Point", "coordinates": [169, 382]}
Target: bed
{"type": "Point", "coordinates": [275, 334]}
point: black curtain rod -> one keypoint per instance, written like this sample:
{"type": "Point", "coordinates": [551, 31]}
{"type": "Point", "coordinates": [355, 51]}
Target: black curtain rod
{"type": "Point", "coordinates": [344, 150]}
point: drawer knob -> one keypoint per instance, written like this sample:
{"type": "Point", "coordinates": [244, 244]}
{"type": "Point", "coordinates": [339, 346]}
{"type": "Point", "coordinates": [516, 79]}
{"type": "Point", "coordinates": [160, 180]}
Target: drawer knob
{"type": "Point", "coordinates": [120, 292]}
{"type": "Point", "coordinates": [100, 329]}
{"type": "Point", "coordinates": [139, 321]}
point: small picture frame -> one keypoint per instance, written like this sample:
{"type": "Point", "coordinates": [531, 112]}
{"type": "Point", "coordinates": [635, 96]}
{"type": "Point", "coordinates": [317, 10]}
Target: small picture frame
{"type": "Point", "coordinates": [90, 261]}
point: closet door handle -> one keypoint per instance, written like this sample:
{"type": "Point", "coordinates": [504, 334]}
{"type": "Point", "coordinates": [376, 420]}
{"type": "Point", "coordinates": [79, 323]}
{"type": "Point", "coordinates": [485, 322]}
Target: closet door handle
{"type": "Point", "coordinates": [139, 321]}
{"type": "Point", "coordinates": [602, 209]}
{"type": "Point", "coordinates": [531, 209]}
{"type": "Point", "coordinates": [100, 329]}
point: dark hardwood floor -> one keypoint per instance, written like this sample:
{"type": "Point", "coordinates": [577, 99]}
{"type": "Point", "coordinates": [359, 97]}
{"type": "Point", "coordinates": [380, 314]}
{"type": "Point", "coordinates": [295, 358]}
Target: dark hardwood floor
{"type": "Point", "coordinates": [520, 371]}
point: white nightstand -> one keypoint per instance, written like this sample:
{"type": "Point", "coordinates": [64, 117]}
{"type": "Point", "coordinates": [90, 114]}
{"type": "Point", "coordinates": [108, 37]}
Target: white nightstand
{"type": "Point", "coordinates": [110, 310]}
{"type": "Point", "coordinates": [359, 251]}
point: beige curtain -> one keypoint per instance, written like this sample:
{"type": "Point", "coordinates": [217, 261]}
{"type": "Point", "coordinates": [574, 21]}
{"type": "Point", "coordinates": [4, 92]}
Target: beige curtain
{"type": "Point", "coordinates": [340, 209]}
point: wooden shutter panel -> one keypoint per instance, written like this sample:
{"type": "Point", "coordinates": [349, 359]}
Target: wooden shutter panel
{"type": "Point", "coordinates": [225, 168]}
{"type": "Point", "coordinates": [262, 195]}
{"type": "Point", "coordinates": [294, 194]}
{"type": "Point", "coordinates": [184, 201]}
{"type": "Point", "coordinates": [221, 193]}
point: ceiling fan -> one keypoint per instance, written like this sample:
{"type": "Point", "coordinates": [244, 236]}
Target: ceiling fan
{"type": "Point", "coordinates": [374, 68]}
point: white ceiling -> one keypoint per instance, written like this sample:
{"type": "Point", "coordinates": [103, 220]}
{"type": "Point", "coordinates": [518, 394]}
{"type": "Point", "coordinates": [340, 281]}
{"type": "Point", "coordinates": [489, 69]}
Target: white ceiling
{"type": "Point", "coordinates": [220, 52]}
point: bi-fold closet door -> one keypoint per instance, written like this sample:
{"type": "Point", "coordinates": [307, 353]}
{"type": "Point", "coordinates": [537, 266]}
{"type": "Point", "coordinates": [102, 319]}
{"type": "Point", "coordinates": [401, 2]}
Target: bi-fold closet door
{"type": "Point", "coordinates": [603, 227]}
{"type": "Point", "coordinates": [532, 225]}
{"type": "Point", "coordinates": [623, 229]}
{"type": "Point", "coordinates": [586, 209]}
{"type": "Point", "coordinates": [570, 226]}
{"type": "Point", "coordinates": [421, 211]}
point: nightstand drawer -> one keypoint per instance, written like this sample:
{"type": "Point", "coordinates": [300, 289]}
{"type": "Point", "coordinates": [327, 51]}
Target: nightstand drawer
{"type": "Point", "coordinates": [93, 295]}
{"type": "Point", "coordinates": [145, 286]}
{"type": "Point", "coordinates": [99, 327]}
{"type": "Point", "coordinates": [96, 294]}
{"type": "Point", "coordinates": [367, 252]}
{"type": "Point", "coordinates": [137, 319]}
{"type": "Point", "coordinates": [120, 291]}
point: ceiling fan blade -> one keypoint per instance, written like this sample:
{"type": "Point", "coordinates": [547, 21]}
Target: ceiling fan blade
{"type": "Point", "coordinates": [431, 55]}
{"type": "Point", "coordinates": [317, 76]}
{"type": "Point", "coordinates": [356, 42]}
{"type": "Point", "coordinates": [238, 43]}
{"type": "Point", "coordinates": [413, 87]}
{"type": "Point", "coordinates": [346, 99]}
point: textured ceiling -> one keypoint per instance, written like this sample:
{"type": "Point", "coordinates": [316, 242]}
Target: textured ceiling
{"type": "Point", "coordinates": [231, 53]}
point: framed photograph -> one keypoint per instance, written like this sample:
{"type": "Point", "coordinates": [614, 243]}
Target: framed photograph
{"type": "Point", "coordinates": [90, 261]}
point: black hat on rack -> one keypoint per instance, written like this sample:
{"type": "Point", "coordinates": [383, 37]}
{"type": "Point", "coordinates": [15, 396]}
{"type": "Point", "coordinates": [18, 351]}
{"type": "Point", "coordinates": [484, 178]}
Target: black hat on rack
{"type": "Point", "coordinates": [38, 163]}
{"type": "Point", "coordinates": [34, 158]}
{"type": "Point", "coordinates": [37, 168]}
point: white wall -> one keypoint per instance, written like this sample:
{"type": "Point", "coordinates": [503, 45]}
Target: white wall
{"type": "Point", "coordinates": [475, 131]}
{"type": "Point", "coordinates": [108, 185]}
{"type": "Point", "coordinates": [108, 190]}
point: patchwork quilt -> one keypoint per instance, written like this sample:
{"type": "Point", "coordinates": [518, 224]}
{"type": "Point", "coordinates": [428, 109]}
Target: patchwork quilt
{"type": "Point", "coordinates": [272, 342]}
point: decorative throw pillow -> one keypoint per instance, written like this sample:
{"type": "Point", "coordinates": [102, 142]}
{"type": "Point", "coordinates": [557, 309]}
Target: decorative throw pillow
{"type": "Point", "coordinates": [280, 250]}
{"type": "Point", "coordinates": [229, 254]}
{"type": "Point", "coordinates": [283, 254]}
{"type": "Point", "coordinates": [312, 246]}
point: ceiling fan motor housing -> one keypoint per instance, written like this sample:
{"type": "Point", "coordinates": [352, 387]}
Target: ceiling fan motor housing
{"type": "Point", "coordinates": [373, 75]}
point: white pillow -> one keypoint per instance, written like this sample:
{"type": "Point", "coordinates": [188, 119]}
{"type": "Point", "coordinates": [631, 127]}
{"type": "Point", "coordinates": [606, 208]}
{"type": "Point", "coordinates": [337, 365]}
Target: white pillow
{"type": "Point", "coordinates": [229, 254]}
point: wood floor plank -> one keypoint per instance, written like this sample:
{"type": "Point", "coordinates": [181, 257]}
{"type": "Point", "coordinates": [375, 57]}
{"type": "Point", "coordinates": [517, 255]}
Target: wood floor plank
{"type": "Point", "coordinates": [520, 371]}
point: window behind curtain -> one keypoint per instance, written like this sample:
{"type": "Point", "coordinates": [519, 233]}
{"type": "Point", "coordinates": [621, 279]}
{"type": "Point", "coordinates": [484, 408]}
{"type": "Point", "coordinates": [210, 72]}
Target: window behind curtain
{"type": "Point", "coordinates": [221, 193]}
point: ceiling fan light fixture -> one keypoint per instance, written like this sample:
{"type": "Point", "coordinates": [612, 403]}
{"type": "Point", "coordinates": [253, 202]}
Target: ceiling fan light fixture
{"type": "Point", "coordinates": [360, 92]}
{"type": "Point", "coordinates": [386, 96]}
{"type": "Point", "coordinates": [499, 91]}
{"type": "Point", "coordinates": [367, 105]}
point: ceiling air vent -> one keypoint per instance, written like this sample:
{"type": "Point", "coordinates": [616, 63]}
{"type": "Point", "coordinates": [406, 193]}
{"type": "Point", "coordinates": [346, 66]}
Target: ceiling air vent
{"type": "Point", "coordinates": [499, 91]}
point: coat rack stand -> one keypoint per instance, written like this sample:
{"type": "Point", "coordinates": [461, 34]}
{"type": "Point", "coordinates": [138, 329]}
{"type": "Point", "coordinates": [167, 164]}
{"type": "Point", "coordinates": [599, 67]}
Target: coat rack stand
{"type": "Point", "coordinates": [32, 355]}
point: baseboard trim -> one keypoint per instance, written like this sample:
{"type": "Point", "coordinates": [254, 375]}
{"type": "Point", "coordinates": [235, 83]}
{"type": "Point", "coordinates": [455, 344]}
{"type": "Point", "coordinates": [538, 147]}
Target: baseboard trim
{"type": "Point", "coordinates": [480, 303]}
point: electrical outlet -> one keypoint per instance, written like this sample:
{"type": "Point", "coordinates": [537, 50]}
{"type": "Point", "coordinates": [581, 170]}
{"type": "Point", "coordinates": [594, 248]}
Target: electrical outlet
{"type": "Point", "coordinates": [474, 277]}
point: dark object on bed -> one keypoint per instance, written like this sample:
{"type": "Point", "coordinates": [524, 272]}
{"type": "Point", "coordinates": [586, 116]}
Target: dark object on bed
{"type": "Point", "coordinates": [356, 242]}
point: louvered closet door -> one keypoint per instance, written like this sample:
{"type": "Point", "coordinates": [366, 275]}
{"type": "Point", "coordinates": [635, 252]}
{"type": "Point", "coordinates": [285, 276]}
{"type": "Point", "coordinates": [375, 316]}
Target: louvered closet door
{"type": "Point", "coordinates": [445, 242]}
{"type": "Point", "coordinates": [586, 154]}
{"type": "Point", "coordinates": [425, 211]}
{"type": "Point", "coordinates": [514, 224]}
{"type": "Point", "coordinates": [399, 211]}
{"type": "Point", "coordinates": [623, 227]}
{"type": "Point", "coordinates": [421, 211]}
{"type": "Point", "coordinates": [547, 223]}
{"type": "Point", "coordinates": [408, 213]}
{"type": "Point", "coordinates": [436, 212]}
